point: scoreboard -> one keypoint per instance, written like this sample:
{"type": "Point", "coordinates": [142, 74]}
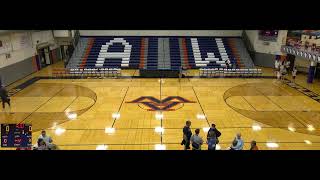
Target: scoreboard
{"type": "Point", "coordinates": [16, 135]}
{"type": "Point", "coordinates": [268, 35]}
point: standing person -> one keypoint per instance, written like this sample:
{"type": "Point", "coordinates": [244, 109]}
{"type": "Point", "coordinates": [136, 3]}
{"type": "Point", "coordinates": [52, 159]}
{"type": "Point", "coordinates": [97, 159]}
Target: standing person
{"type": "Point", "coordinates": [196, 140]}
{"type": "Point", "coordinates": [47, 139]}
{"type": "Point", "coordinates": [186, 135]}
{"type": "Point", "coordinates": [4, 97]}
{"type": "Point", "coordinates": [216, 132]}
{"type": "Point", "coordinates": [294, 74]}
{"type": "Point", "coordinates": [278, 75]}
{"type": "Point", "coordinates": [239, 145]}
{"type": "Point", "coordinates": [254, 145]}
{"type": "Point", "coordinates": [276, 65]}
{"type": "Point", "coordinates": [282, 71]}
{"type": "Point", "coordinates": [211, 140]}
{"type": "Point", "coordinates": [287, 65]}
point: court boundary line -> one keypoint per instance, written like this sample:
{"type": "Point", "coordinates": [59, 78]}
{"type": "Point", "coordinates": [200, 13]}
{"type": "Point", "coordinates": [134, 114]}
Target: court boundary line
{"type": "Point", "coordinates": [124, 97]}
{"type": "Point", "coordinates": [177, 143]}
{"type": "Point", "coordinates": [41, 105]}
{"type": "Point", "coordinates": [201, 107]}
{"type": "Point", "coordinates": [280, 107]}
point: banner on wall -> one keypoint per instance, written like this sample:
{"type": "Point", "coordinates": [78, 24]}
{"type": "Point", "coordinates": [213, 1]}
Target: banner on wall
{"type": "Point", "coordinates": [304, 40]}
{"type": "Point", "coordinates": [5, 44]}
{"type": "Point", "coordinates": [21, 41]}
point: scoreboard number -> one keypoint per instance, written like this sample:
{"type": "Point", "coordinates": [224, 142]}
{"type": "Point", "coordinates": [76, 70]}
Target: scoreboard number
{"type": "Point", "coordinates": [7, 128]}
{"type": "Point", "coordinates": [30, 128]}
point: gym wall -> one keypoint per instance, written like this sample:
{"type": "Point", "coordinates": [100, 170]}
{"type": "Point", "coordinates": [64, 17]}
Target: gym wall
{"type": "Point", "coordinates": [23, 60]}
{"type": "Point", "coordinates": [264, 54]}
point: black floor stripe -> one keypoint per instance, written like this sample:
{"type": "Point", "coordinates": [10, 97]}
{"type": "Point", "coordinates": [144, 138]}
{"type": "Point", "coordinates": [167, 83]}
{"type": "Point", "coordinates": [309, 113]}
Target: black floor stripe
{"type": "Point", "coordinates": [114, 120]}
{"type": "Point", "coordinates": [70, 103]}
{"type": "Point", "coordinates": [304, 90]}
{"type": "Point", "coordinates": [201, 107]}
{"type": "Point", "coordinates": [41, 105]}
{"type": "Point", "coordinates": [249, 103]}
{"type": "Point", "coordinates": [281, 108]}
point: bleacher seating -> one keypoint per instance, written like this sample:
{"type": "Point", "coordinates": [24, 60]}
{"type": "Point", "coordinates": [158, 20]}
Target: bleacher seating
{"type": "Point", "coordinates": [227, 72]}
{"type": "Point", "coordinates": [87, 72]}
{"type": "Point", "coordinates": [142, 53]}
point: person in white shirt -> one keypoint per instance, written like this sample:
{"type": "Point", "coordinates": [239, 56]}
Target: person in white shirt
{"type": "Point", "coordinates": [239, 145]}
{"type": "Point", "coordinates": [276, 65]}
{"type": "Point", "coordinates": [283, 72]}
{"type": "Point", "coordinates": [287, 65]}
{"type": "Point", "coordinates": [196, 140]}
{"type": "Point", "coordinates": [294, 74]}
{"type": "Point", "coordinates": [278, 75]}
{"type": "Point", "coordinates": [47, 139]}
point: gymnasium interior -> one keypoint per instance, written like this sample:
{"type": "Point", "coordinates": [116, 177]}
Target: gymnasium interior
{"type": "Point", "coordinates": [135, 89]}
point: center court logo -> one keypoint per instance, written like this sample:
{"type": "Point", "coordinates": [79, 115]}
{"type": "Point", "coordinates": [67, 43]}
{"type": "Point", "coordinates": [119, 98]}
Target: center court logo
{"type": "Point", "coordinates": [167, 104]}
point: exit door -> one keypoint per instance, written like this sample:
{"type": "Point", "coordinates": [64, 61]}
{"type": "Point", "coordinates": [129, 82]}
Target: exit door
{"type": "Point", "coordinates": [44, 55]}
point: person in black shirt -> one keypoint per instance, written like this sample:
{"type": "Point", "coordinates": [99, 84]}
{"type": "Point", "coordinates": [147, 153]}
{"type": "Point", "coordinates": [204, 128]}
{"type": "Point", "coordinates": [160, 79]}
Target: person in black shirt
{"type": "Point", "coordinates": [4, 97]}
{"type": "Point", "coordinates": [216, 132]}
{"type": "Point", "coordinates": [186, 135]}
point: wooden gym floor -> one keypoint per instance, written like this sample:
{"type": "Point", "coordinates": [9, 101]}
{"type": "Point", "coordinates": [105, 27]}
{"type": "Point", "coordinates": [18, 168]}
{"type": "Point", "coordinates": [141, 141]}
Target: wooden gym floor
{"type": "Point", "coordinates": [76, 112]}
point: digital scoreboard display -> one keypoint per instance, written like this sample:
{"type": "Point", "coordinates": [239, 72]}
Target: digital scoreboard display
{"type": "Point", "coordinates": [16, 135]}
{"type": "Point", "coordinates": [268, 35]}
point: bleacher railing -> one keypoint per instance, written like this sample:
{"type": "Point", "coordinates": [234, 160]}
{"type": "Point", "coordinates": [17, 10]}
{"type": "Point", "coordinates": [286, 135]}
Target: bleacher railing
{"type": "Point", "coordinates": [304, 53]}
{"type": "Point", "coordinates": [223, 72]}
{"type": "Point", "coordinates": [86, 73]}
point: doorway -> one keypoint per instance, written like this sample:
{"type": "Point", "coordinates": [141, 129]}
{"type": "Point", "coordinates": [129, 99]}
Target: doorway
{"type": "Point", "coordinates": [44, 55]}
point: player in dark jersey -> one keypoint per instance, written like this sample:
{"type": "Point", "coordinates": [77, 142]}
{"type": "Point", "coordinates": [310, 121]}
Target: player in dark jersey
{"type": "Point", "coordinates": [4, 97]}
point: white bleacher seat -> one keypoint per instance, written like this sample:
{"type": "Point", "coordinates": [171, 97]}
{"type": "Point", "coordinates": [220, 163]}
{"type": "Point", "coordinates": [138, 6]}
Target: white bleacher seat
{"type": "Point", "coordinates": [220, 62]}
{"type": "Point", "coordinates": [201, 65]}
{"type": "Point", "coordinates": [211, 59]}
{"type": "Point", "coordinates": [202, 62]}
